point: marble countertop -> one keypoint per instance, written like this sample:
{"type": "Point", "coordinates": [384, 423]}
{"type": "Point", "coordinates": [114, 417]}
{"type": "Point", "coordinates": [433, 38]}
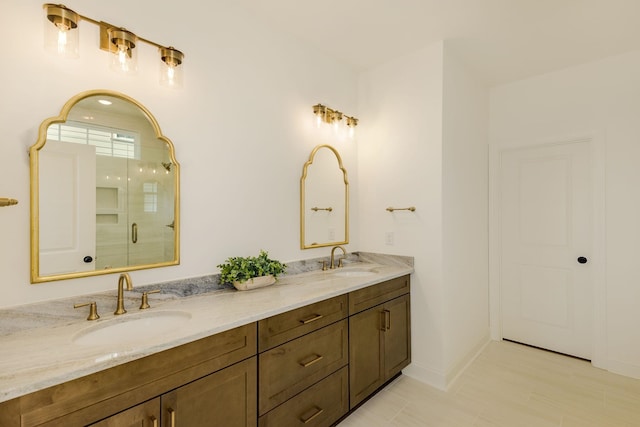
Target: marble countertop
{"type": "Point", "coordinates": [46, 354]}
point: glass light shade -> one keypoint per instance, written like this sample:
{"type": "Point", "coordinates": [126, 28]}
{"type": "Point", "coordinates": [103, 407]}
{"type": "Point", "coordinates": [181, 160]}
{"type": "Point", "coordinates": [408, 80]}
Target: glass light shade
{"type": "Point", "coordinates": [124, 57]}
{"type": "Point", "coordinates": [61, 33]}
{"type": "Point", "coordinates": [351, 132]}
{"type": "Point", "coordinates": [171, 68]}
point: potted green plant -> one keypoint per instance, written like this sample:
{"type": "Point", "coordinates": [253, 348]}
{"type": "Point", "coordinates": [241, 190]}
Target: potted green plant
{"type": "Point", "coordinates": [250, 272]}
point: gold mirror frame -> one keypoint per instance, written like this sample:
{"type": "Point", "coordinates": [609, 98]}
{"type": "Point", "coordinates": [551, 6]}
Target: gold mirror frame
{"type": "Point", "coordinates": [35, 199]}
{"type": "Point", "coordinates": [303, 244]}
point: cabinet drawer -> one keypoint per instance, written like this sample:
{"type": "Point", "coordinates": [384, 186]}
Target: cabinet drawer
{"type": "Point", "coordinates": [371, 296]}
{"type": "Point", "coordinates": [284, 327]}
{"type": "Point", "coordinates": [320, 405]}
{"type": "Point", "coordinates": [288, 369]}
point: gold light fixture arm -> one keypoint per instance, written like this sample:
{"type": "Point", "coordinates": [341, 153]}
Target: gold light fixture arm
{"type": "Point", "coordinates": [7, 202]}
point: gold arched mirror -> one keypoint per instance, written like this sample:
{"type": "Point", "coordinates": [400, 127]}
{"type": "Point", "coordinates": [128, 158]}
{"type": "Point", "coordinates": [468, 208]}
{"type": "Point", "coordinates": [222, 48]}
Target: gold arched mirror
{"type": "Point", "coordinates": [324, 200]}
{"type": "Point", "coordinates": [105, 189]}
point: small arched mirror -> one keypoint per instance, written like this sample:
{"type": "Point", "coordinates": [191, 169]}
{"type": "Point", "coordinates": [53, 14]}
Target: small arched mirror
{"type": "Point", "coordinates": [324, 200]}
{"type": "Point", "coordinates": [104, 190]}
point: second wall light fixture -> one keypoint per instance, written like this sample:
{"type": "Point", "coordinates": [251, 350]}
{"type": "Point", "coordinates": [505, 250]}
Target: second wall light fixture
{"type": "Point", "coordinates": [61, 37]}
{"type": "Point", "coordinates": [334, 118]}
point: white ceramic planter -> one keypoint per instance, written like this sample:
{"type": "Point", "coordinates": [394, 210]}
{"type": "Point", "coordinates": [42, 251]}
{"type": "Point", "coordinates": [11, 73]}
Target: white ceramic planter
{"type": "Point", "coordinates": [255, 283]}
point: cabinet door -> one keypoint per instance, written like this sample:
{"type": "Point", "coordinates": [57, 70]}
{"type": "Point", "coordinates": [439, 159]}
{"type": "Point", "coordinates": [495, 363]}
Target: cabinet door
{"type": "Point", "coordinates": [366, 369]}
{"type": "Point", "coordinates": [397, 336]}
{"type": "Point", "coordinates": [225, 398]}
{"type": "Point", "coordinates": [146, 414]}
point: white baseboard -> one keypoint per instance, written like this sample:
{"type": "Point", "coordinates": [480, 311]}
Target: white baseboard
{"type": "Point", "coordinates": [622, 368]}
{"type": "Point", "coordinates": [458, 369]}
{"type": "Point", "coordinates": [426, 375]}
{"type": "Point", "coordinates": [443, 381]}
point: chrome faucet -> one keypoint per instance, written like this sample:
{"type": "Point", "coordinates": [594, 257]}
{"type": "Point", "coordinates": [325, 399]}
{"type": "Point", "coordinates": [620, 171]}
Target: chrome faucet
{"type": "Point", "coordinates": [124, 278]}
{"type": "Point", "coordinates": [332, 264]}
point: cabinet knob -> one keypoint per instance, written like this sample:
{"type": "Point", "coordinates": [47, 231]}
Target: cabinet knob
{"type": "Point", "coordinates": [582, 260]}
{"type": "Point", "coordinates": [87, 259]}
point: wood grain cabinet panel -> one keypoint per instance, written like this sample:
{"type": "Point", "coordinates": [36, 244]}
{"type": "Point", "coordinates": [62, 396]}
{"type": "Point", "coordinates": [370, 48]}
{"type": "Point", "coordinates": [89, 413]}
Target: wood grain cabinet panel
{"type": "Point", "coordinates": [379, 346]}
{"type": "Point", "coordinates": [291, 367]}
{"type": "Point", "coordinates": [284, 327]}
{"type": "Point", "coordinates": [318, 406]}
{"type": "Point", "coordinates": [397, 336]}
{"type": "Point", "coordinates": [226, 398]}
{"type": "Point", "coordinates": [371, 296]}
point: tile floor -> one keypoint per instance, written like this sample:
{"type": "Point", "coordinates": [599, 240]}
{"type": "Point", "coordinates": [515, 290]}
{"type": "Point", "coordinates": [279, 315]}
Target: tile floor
{"type": "Point", "coordinates": [509, 385]}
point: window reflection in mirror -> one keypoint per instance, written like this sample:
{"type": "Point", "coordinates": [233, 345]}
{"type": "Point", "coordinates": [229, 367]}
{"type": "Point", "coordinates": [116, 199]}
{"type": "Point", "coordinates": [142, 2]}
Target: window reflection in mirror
{"type": "Point", "coordinates": [324, 200]}
{"type": "Point", "coordinates": [105, 190]}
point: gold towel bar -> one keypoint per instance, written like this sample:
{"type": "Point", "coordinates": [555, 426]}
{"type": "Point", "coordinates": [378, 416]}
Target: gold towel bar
{"type": "Point", "coordinates": [411, 208]}
{"type": "Point", "coordinates": [7, 202]}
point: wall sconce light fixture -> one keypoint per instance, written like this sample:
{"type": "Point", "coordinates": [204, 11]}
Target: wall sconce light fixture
{"type": "Point", "coordinates": [61, 37]}
{"type": "Point", "coordinates": [334, 118]}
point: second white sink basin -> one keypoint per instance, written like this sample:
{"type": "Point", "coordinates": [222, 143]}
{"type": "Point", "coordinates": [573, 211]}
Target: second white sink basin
{"type": "Point", "coordinates": [130, 328]}
{"type": "Point", "coordinates": [355, 272]}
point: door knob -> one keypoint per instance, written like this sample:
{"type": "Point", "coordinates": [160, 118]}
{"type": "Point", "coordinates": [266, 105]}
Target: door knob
{"type": "Point", "coordinates": [582, 260]}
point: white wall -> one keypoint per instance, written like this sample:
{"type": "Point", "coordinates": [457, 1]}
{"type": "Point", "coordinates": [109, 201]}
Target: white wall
{"type": "Point", "coordinates": [423, 144]}
{"type": "Point", "coordinates": [400, 165]}
{"type": "Point", "coordinates": [242, 127]}
{"type": "Point", "coordinates": [600, 99]}
{"type": "Point", "coordinates": [465, 203]}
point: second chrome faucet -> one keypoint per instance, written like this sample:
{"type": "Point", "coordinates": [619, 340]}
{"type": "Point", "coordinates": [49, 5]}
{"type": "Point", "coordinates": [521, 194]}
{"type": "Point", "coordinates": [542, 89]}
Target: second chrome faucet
{"type": "Point", "coordinates": [124, 279]}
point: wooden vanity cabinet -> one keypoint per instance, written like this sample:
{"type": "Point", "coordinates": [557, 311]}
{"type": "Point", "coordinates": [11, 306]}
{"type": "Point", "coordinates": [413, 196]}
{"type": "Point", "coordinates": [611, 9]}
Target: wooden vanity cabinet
{"type": "Point", "coordinates": [379, 336]}
{"type": "Point", "coordinates": [308, 366]}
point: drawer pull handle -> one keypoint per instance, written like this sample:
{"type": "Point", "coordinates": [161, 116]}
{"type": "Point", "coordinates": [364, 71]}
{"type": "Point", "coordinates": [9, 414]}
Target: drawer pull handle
{"type": "Point", "coordinates": [154, 421]}
{"type": "Point", "coordinates": [312, 417]}
{"type": "Point", "coordinates": [311, 362]}
{"type": "Point", "coordinates": [387, 317]}
{"type": "Point", "coordinates": [172, 417]}
{"type": "Point", "coordinates": [383, 321]}
{"type": "Point", "coordinates": [313, 318]}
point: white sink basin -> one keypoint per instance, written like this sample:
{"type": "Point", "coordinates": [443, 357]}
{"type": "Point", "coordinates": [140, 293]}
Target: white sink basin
{"type": "Point", "coordinates": [130, 328]}
{"type": "Point", "coordinates": [355, 272]}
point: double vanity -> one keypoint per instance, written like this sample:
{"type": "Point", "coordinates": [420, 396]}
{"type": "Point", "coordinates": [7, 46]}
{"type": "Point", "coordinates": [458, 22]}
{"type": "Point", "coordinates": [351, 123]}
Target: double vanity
{"type": "Point", "coordinates": [304, 351]}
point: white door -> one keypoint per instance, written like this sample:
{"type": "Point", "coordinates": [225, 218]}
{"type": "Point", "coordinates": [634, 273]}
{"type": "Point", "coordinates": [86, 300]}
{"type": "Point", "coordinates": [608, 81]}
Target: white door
{"type": "Point", "coordinates": [67, 207]}
{"type": "Point", "coordinates": [546, 215]}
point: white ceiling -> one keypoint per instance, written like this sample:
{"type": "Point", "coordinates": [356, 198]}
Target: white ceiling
{"type": "Point", "coordinates": [503, 40]}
